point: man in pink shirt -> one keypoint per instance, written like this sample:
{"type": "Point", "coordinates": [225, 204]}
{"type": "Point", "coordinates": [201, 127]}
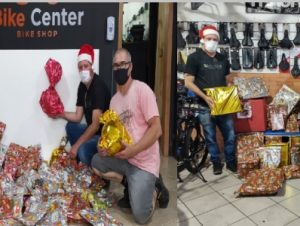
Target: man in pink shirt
{"type": "Point", "coordinates": [137, 165]}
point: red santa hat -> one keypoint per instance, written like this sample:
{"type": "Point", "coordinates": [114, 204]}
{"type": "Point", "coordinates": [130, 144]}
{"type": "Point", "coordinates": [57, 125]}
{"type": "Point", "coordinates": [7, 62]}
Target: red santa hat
{"type": "Point", "coordinates": [208, 30]}
{"type": "Point", "coordinates": [86, 52]}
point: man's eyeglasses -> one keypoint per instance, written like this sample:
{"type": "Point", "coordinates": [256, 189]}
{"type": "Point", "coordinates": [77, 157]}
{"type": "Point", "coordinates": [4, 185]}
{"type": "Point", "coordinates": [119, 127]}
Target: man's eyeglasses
{"type": "Point", "coordinates": [122, 64]}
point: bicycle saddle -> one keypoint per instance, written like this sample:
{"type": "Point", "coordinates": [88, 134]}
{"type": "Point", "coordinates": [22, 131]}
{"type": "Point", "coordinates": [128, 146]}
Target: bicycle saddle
{"type": "Point", "coordinates": [297, 38]}
{"type": "Point", "coordinates": [223, 34]}
{"type": "Point", "coordinates": [259, 58]}
{"type": "Point", "coordinates": [286, 43]}
{"type": "Point", "coordinates": [233, 41]}
{"type": "Point", "coordinates": [247, 41]}
{"type": "Point", "coordinates": [263, 42]}
{"type": "Point", "coordinates": [274, 41]}
{"type": "Point", "coordinates": [192, 37]}
{"type": "Point", "coordinates": [247, 56]}
{"type": "Point", "coordinates": [295, 70]}
{"type": "Point", "coordinates": [180, 40]}
{"type": "Point", "coordinates": [271, 58]}
{"type": "Point", "coordinates": [235, 60]}
{"type": "Point", "coordinates": [284, 65]}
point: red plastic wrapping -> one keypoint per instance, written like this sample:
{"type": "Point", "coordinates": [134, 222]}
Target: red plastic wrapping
{"type": "Point", "coordinates": [50, 101]}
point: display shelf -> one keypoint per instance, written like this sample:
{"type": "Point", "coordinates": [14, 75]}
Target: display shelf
{"type": "Point", "coordinates": [281, 133]}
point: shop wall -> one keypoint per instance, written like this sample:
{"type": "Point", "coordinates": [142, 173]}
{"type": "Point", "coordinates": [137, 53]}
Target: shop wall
{"type": "Point", "coordinates": [23, 78]}
{"type": "Point", "coordinates": [212, 13]}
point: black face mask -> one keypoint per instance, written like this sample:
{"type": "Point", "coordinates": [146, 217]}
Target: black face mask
{"type": "Point", "coordinates": [121, 76]}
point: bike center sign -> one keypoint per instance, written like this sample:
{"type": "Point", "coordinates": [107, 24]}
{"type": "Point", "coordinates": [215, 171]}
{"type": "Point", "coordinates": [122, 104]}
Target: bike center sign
{"type": "Point", "coordinates": [43, 23]}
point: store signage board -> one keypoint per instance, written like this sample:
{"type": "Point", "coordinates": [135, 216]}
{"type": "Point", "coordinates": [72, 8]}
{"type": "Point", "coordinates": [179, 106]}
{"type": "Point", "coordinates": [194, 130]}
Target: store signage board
{"type": "Point", "coordinates": [273, 7]}
{"type": "Point", "coordinates": [22, 81]}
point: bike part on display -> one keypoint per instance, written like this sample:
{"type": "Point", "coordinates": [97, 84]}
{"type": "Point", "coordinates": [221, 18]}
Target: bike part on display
{"type": "Point", "coordinates": [233, 41]}
{"type": "Point", "coordinates": [225, 52]}
{"type": "Point", "coordinates": [272, 58]}
{"type": "Point", "coordinates": [274, 41]}
{"type": "Point", "coordinates": [297, 38]}
{"type": "Point", "coordinates": [259, 58]}
{"type": "Point", "coordinates": [235, 60]}
{"type": "Point", "coordinates": [286, 43]}
{"type": "Point", "coordinates": [180, 40]}
{"type": "Point", "coordinates": [223, 34]}
{"type": "Point", "coordinates": [248, 33]}
{"type": "Point", "coordinates": [247, 55]}
{"type": "Point", "coordinates": [192, 37]}
{"type": "Point", "coordinates": [284, 65]}
{"type": "Point", "coordinates": [263, 42]}
{"type": "Point", "coordinates": [181, 64]}
{"type": "Point", "coordinates": [295, 70]}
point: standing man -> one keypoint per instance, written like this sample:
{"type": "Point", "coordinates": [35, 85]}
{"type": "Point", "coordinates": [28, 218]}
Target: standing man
{"type": "Point", "coordinates": [92, 100]}
{"type": "Point", "coordinates": [206, 68]}
{"type": "Point", "coordinates": [136, 166]}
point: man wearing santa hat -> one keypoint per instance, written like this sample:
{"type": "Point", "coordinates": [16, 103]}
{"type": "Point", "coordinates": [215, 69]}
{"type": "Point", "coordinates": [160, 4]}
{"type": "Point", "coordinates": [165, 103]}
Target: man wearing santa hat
{"type": "Point", "coordinates": [206, 68]}
{"type": "Point", "coordinates": [93, 99]}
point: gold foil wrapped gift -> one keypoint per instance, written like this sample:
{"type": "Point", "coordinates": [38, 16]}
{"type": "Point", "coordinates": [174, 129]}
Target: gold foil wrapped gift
{"type": "Point", "coordinates": [113, 132]}
{"type": "Point", "coordinates": [226, 100]}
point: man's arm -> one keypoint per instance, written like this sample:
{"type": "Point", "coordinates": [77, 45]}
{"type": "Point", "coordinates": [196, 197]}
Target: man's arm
{"type": "Point", "coordinates": [152, 134]}
{"type": "Point", "coordinates": [88, 133]}
{"type": "Point", "coordinates": [73, 116]}
{"type": "Point", "coordinates": [189, 83]}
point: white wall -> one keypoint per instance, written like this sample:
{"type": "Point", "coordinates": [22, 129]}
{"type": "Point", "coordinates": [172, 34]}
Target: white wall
{"type": "Point", "coordinates": [212, 13]}
{"type": "Point", "coordinates": [22, 81]}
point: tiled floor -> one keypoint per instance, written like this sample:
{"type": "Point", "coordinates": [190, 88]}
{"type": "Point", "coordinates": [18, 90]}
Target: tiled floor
{"type": "Point", "coordinates": [215, 203]}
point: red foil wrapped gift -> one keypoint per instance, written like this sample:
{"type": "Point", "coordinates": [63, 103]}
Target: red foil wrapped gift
{"type": "Point", "coordinates": [50, 101]}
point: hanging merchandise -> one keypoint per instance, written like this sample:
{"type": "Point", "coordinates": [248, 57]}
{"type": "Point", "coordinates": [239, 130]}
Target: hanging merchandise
{"type": "Point", "coordinates": [247, 55]}
{"type": "Point", "coordinates": [181, 63]}
{"type": "Point", "coordinates": [225, 52]}
{"type": "Point", "coordinates": [180, 40]}
{"type": "Point", "coordinates": [284, 65]}
{"type": "Point", "coordinates": [248, 33]}
{"type": "Point", "coordinates": [263, 42]}
{"type": "Point", "coordinates": [234, 42]}
{"type": "Point", "coordinates": [259, 58]}
{"type": "Point", "coordinates": [295, 70]}
{"type": "Point", "coordinates": [272, 58]}
{"type": "Point", "coordinates": [223, 34]}
{"type": "Point", "coordinates": [50, 101]}
{"type": "Point", "coordinates": [274, 41]}
{"type": "Point", "coordinates": [235, 60]}
{"type": "Point", "coordinates": [297, 38]}
{"type": "Point", "coordinates": [192, 37]}
{"type": "Point", "coordinates": [286, 43]}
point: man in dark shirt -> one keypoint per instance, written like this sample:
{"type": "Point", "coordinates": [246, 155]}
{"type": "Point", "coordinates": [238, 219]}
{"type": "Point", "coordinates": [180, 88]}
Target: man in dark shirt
{"type": "Point", "coordinates": [93, 99]}
{"type": "Point", "coordinates": [206, 68]}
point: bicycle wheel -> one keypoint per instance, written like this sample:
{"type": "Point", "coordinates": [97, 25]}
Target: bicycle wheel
{"type": "Point", "coordinates": [195, 148]}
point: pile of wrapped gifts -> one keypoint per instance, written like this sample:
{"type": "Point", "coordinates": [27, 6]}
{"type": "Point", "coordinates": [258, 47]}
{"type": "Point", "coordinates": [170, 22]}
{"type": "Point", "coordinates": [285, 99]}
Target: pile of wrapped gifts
{"type": "Point", "coordinates": [34, 192]}
{"type": "Point", "coordinates": [263, 166]}
{"type": "Point", "coordinates": [259, 114]}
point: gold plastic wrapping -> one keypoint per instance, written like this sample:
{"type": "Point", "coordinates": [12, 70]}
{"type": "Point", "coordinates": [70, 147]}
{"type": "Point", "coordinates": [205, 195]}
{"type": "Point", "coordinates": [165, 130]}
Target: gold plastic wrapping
{"type": "Point", "coordinates": [226, 100]}
{"type": "Point", "coordinates": [113, 132]}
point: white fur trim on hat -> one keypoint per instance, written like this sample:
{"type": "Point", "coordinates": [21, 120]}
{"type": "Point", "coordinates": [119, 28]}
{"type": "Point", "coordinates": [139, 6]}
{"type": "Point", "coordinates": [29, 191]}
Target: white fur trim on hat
{"type": "Point", "coordinates": [210, 32]}
{"type": "Point", "coordinates": [84, 56]}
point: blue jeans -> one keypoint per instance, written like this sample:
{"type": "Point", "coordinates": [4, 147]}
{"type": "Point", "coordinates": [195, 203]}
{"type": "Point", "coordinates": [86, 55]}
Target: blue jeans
{"type": "Point", "coordinates": [86, 150]}
{"type": "Point", "coordinates": [225, 124]}
{"type": "Point", "coordinates": [141, 184]}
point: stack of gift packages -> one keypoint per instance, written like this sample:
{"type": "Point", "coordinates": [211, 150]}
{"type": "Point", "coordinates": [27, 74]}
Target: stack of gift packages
{"type": "Point", "coordinates": [264, 161]}
{"type": "Point", "coordinates": [34, 192]}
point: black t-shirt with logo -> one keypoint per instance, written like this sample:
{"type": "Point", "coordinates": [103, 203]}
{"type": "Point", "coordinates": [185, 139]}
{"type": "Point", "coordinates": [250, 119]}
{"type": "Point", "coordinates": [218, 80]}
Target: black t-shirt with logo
{"type": "Point", "coordinates": [96, 97]}
{"type": "Point", "coordinates": [209, 71]}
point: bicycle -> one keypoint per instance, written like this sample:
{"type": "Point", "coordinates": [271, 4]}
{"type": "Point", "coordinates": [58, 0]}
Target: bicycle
{"type": "Point", "coordinates": [191, 151]}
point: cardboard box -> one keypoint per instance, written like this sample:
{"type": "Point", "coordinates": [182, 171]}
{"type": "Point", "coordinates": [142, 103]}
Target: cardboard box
{"type": "Point", "coordinates": [253, 118]}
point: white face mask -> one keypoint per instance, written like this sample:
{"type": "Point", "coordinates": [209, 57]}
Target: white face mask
{"type": "Point", "coordinates": [85, 76]}
{"type": "Point", "coordinates": [211, 46]}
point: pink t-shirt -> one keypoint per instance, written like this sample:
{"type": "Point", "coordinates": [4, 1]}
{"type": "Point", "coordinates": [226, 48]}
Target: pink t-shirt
{"type": "Point", "coordinates": [135, 109]}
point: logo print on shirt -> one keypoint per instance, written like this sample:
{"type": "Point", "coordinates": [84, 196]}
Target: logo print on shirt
{"type": "Point", "coordinates": [212, 66]}
{"type": "Point", "coordinates": [126, 118]}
